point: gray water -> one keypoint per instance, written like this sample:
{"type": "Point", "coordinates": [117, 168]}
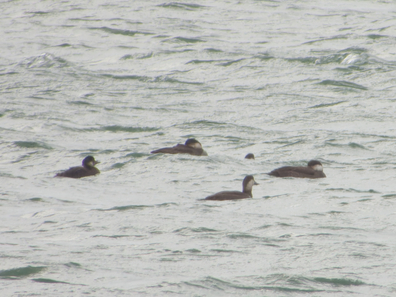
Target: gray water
{"type": "Point", "coordinates": [288, 81]}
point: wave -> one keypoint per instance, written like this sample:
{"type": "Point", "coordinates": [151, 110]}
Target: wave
{"type": "Point", "coordinates": [21, 272]}
{"type": "Point", "coordinates": [32, 144]}
{"type": "Point", "coordinates": [126, 77]}
{"type": "Point", "coordinates": [180, 39]}
{"type": "Point", "coordinates": [342, 84]}
{"type": "Point", "coordinates": [181, 5]}
{"type": "Point", "coordinates": [120, 31]}
{"type": "Point", "coordinates": [48, 281]}
{"type": "Point", "coordinates": [129, 207]}
{"type": "Point", "coordinates": [45, 60]}
{"type": "Point", "coordinates": [280, 283]}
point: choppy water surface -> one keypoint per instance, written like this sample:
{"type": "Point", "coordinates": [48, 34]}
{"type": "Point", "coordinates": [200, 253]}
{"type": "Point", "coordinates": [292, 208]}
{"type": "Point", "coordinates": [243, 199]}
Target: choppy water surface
{"type": "Point", "coordinates": [288, 81]}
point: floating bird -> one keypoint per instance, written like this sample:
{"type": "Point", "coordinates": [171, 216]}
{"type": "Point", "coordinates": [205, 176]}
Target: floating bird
{"type": "Point", "coordinates": [192, 147]}
{"type": "Point", "coordinates": [87, 169]}
{"type": "Point", "coordinates": [247, 185]}
{"type": "Point", "coordinates": [313, 170]}
{"type": "Point", "coordinates": [249, 156]}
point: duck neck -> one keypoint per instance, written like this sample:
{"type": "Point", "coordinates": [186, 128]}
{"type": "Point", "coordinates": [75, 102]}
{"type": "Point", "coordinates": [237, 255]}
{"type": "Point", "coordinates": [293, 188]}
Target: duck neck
{"type": "Point", "coordinates": [249, 192]}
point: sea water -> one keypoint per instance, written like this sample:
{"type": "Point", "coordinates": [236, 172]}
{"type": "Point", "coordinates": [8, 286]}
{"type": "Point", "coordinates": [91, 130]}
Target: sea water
{"type": "Point", "coordinates": [287, 81]}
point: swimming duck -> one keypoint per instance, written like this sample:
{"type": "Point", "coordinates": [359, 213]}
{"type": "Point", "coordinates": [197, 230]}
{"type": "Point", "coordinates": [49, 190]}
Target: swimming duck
{"type": "Point", "coordinates": [313, 170]}
{"type": "Point", "coordinates": [247, 185]}
{"type": "Point", "coordinates": [191, 146]}
{"type": "Point", "coordinates": [87, 169]}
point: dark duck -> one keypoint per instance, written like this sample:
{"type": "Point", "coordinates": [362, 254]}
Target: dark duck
{"type": "Point", "coordinates": [249, 156]}
{"type": "Point", "coordinates": [87, 169]}
{"type": "Point", "coordinates": [247, 185]}
{"type": "Point", "coordinates": [191, 146]}
{"type": "Point", "coordinates": [313, 170]}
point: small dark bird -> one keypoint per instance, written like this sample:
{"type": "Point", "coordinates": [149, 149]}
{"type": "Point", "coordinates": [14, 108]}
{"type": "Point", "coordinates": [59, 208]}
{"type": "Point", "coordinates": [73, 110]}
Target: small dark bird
{"type": "Point", "coordinates": [249, 156]}
{"type": "Point", "coordinates": [247, 185]}
{"type": "Point", "coordinates": [192, 147]}
{"type": "Point", "coordinates": [88, 168]}
{"type": "Point", "coordinates": [313, 170]}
